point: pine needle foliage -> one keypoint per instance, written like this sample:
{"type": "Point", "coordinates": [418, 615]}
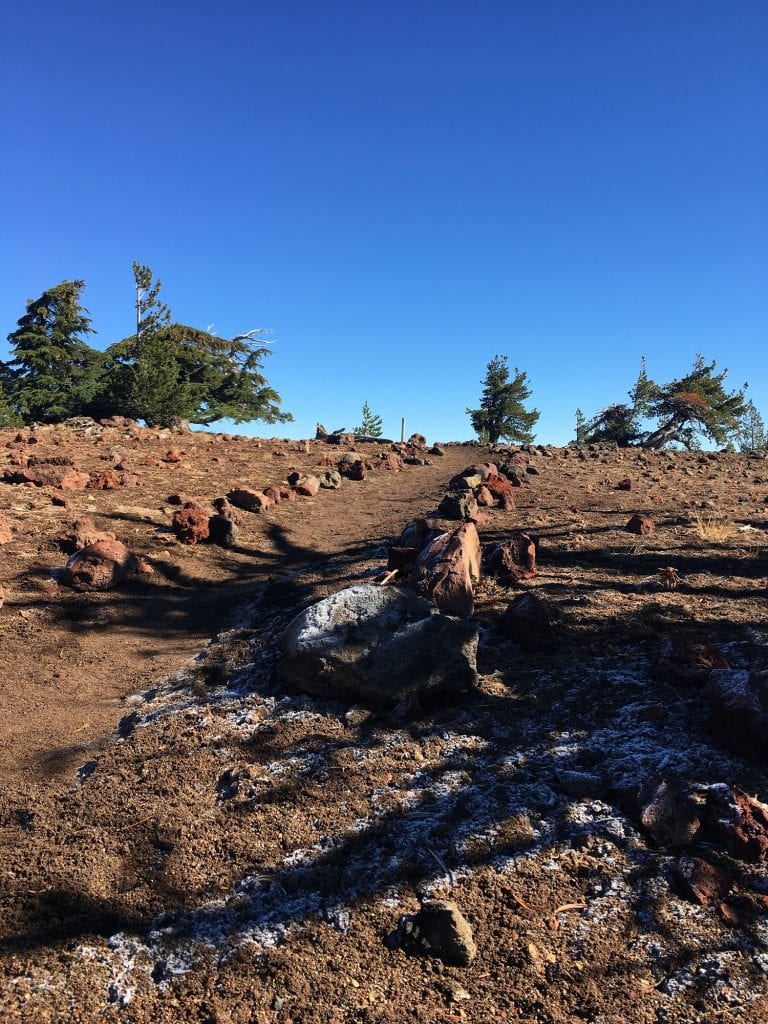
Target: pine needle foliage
{"type": "Point", "coordinates": [502, 415]}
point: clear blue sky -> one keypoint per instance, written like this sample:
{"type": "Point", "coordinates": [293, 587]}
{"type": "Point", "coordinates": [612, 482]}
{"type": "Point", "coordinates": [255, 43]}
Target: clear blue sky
{"type": "Point", "coordinates": [403, 190]}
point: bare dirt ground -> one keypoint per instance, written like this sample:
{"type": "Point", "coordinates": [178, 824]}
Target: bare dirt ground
{"type": "Point", "coordinates": [183, 839]}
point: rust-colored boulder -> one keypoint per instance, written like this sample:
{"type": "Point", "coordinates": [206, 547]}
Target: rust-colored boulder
{"type": "Point", "coordinates": [107, 481]}
{"type": "Point", "coordinates": [225, 508]}
{"type": "Point", "coordinates": [513, 559]}
{"type": "Point", "coordinates": [307, 486]}
{"type": "Point", "coordinates": [391, 462]}
{"type": "Point", "coordinates": [738, 702]}
{"type": "Point", "coordinates": [190, 524]}
{"type": "Point", "coordinates": [64, 477]}
{"type": "Point", "coordinates": [526, 621]}
{"type": "Point", "coordinates": [738, 822]}
{"type": "Point", "coordinates": [249, 499]}
{"type": "Point", "coordinates": [641, 525]}
{"type": "Point", "coordinates": [624, 485]}
{"type": "Point", "coordinates": [6, 530]}
{"type": "Point", "coordinates": [483, 497]}
{"type": "Point", "coordinates": [174, 455]}
{"type": "Point", "coordinates": [99, 566]}
{"type": "Point", "coordinates": [418, 533]}
{"type": "Point", "coordinates": [273, 492]}
{"type": "Point", "coordinates": [701, 881]}
{"type": "Point", "coordinates": [82, 534]}
{"type": "Point", "coordinates": [447, 570]}
{"type": "Point", "coordinates": [687, 659]}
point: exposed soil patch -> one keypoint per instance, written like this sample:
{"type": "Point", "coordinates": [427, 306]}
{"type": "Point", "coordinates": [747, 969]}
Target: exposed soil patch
{"type": "Point", "coordinates": [184, 839]}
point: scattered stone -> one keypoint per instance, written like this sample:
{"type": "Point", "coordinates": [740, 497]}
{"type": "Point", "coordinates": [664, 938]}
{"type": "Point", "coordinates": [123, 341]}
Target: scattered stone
{"type": "Point", "coordinates": [330, 479]}
{"type": "Point", "coordinates": [107, 481]}
{"type": "Point", "coordinates": [458, 506]}
{"type": "Point", "coordinates": [687, 659]}
{"type": "Point", "coordinates": [6, 531]}
{"type": "Point", "coordinates": [82, 534]}
{"type": "Point", "coordinates": [306, 485]}
{"type": "Point", "coordinates": [341, 437]}
{"type": "Point", "coordinates": [440, 929]}
{"type": "Point", "coordinates": [64, 477]}
{"type": "Point", "coordinates": [624, 485]}
{"type": "Point", "coordinates": [417, 441]}
{"type": "Point", "coordinates": [190, 524]}
{"type": "Point", "coordinates": [321, 434]}
{"type": "Point", "coordinates": [738, 702]}
{"type": "Point", "coordinates": [701, 881]}
{"type": "Point", "coordinates": [437, 450]}
{"type": "Point", "coordinates": [174, 455]}
{"type": "Point", "coordinates": [379, 644]}
{"type": "Point", "coordinates": [513, 559]}
{"type": "Point", "coordinates": [391, 462]}
{"type": "Point", "coordinates": [249, 499]}
{"type": "Point", "coordinates": [448, 568]}
{"type": "Point", "coordinates": [176, 499]}
{"type": "Point", "coordinates": [641, 525]}
{"type": "Point", "coordinates": [99, 566]}
{"type": "Point", "coordinates": [737, 821]}
{"type": "Point", "coordinates": [670, 811]}
{"type": "Point", "coordinates": [222, 531]}
{"type": "Point", "coordinates": [526, 621]}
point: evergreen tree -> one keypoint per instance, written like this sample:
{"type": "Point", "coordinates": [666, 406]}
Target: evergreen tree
{"type": "Point", "coordinates": [55, 371]}
{"type": "Point", "coordinates": [615, 425]}
{"type": "Point", "coordinates": [695, 404]}
{"type": "Point", "coordinates": [752, 436]}
{"type": "Point", "coordinates": [8, 415]}
{"type": "Point", "coordinates": [169, 370]}
{"type": "Point", "coordinates": [371, 425]}
{"type": "Point", "coordinates": [581, 424]}
{"type": "Point", "coordinates": [501, 415]}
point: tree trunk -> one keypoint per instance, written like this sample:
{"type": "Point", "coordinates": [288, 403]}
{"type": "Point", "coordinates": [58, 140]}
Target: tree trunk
{"type": "Point", "coordinates": [667, 432]}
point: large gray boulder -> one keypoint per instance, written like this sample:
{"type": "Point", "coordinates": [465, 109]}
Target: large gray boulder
{"type": "Point", "coordinates": [378, 644]}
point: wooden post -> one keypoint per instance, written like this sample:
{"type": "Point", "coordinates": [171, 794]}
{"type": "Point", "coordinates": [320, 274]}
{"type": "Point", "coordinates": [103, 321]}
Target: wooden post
{"type": "Point", "coordinates": [402, 429]}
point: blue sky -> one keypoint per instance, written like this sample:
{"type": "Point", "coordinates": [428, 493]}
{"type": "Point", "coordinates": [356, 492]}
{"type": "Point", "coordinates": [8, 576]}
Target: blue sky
{"type": "Point", "coordinates": [402, 191]}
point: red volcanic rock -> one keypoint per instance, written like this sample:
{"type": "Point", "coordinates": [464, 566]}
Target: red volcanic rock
{"type": "Point", "coordinates": [107, 481]}
{"type": "Point", "coordinates": [641, 525]}
{"type": "Point", "coordinates": [624, 485]}
{"type": "Point", "coordinates": [176, 499]}
{"type": "Point", "coordinates": [273, 493]}
{"type": "Point", "coordinates": [417, 441]}
{"type": "Point", "coordinates": [687, 659]}
{"type": "Point", "coordinates": [190, 524]}
{"type": "Point", "coordinates": [738, 702]}
{"type": "Point", "coordinates": [737, 821]}
{"type": "Point", "coordinates": [224, 508]}
{"type": "Point", "coordinates": [702, 882]}
{"type": "Point", "coordinates": [513, 559]}
{"type": "Point", "coordinates": [99, 566]}
{"type": "Point", "coordinates": [152, 460]}
{"type": "Point", "coordinates": [526, 621]}
{"type": "Point", "coordinates": [65, 477]}
{"type": "Point", "coordinates": [249, 499]}
{"type": "Point", "coordinates": [448, 569]}
{"type": "Point", "coordinates": [483, 497]}
{"type": "Point", "coordinates": [82, 534]}
{"type": "Point", "coordinates": [307, 486]}
{"type": "Point", "coordinates": [6, 531]}
{"type": "Point", "coordinates": [668, 810]}
{"type": "Point", "coordinates": [174, 455]}
{"type": "Point", "coordinates": [391, 462]}
{"type": "Point", "coordinates": [286, 493]}
{"type": "Point", "coordinates": [131, 480]}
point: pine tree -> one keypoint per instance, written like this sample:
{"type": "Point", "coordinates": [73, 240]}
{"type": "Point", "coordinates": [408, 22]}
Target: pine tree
{"type": "Point", "coordinates": [752, 436]}
{"type": "Point", "coordinates": [501, 415]}
{"type": "Point", "coordinates": [695, 404]}
{"type": "Point", "coordinates": [371, 425]}
{"type": "Point", "coordinates": [56, 372]}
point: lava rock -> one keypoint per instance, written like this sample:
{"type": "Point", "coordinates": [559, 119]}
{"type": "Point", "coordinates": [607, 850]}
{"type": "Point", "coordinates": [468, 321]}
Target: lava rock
{"type": "Point", "coordinates": [447, 570]}
{"type": "Point", "coordinates": [378, 644]}
{"type": "Point", "coordinates": [441, 929]}
{"type": "Point", "coordinates": [99, 566]}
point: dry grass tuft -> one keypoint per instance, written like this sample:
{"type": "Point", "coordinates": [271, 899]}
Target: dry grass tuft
{"type": "Point", "coordinates": [713, 528]}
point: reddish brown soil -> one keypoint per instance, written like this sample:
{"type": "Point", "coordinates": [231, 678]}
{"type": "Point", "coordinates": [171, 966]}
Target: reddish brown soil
{"type": "Point", "coordinates": [184, 840]}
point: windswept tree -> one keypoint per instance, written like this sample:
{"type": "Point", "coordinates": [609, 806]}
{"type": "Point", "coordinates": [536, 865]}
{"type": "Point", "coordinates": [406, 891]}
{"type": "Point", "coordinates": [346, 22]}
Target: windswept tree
{"type": "Point", "coordinates": [371, 425]}
{"type": "Point", "coordinates": [502, 415]}
{"type": "Point", "coordinates": [170, 371]}
{"type": "Point", "coordinates": [693, 405]}
{"type": "Point", "coordinates": [55, 372]}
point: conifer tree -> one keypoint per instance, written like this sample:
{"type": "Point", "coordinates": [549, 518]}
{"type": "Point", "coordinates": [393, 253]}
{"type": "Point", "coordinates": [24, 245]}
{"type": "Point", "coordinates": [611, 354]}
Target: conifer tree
{"type": "Point", "coordinates": [752, 436]}
{"type": "Point", "coordinates": [502, 415]}
{"type": "Point", "coordinates": [55, 370]}
{"type": "Point", "coordinates": [371, 425]}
